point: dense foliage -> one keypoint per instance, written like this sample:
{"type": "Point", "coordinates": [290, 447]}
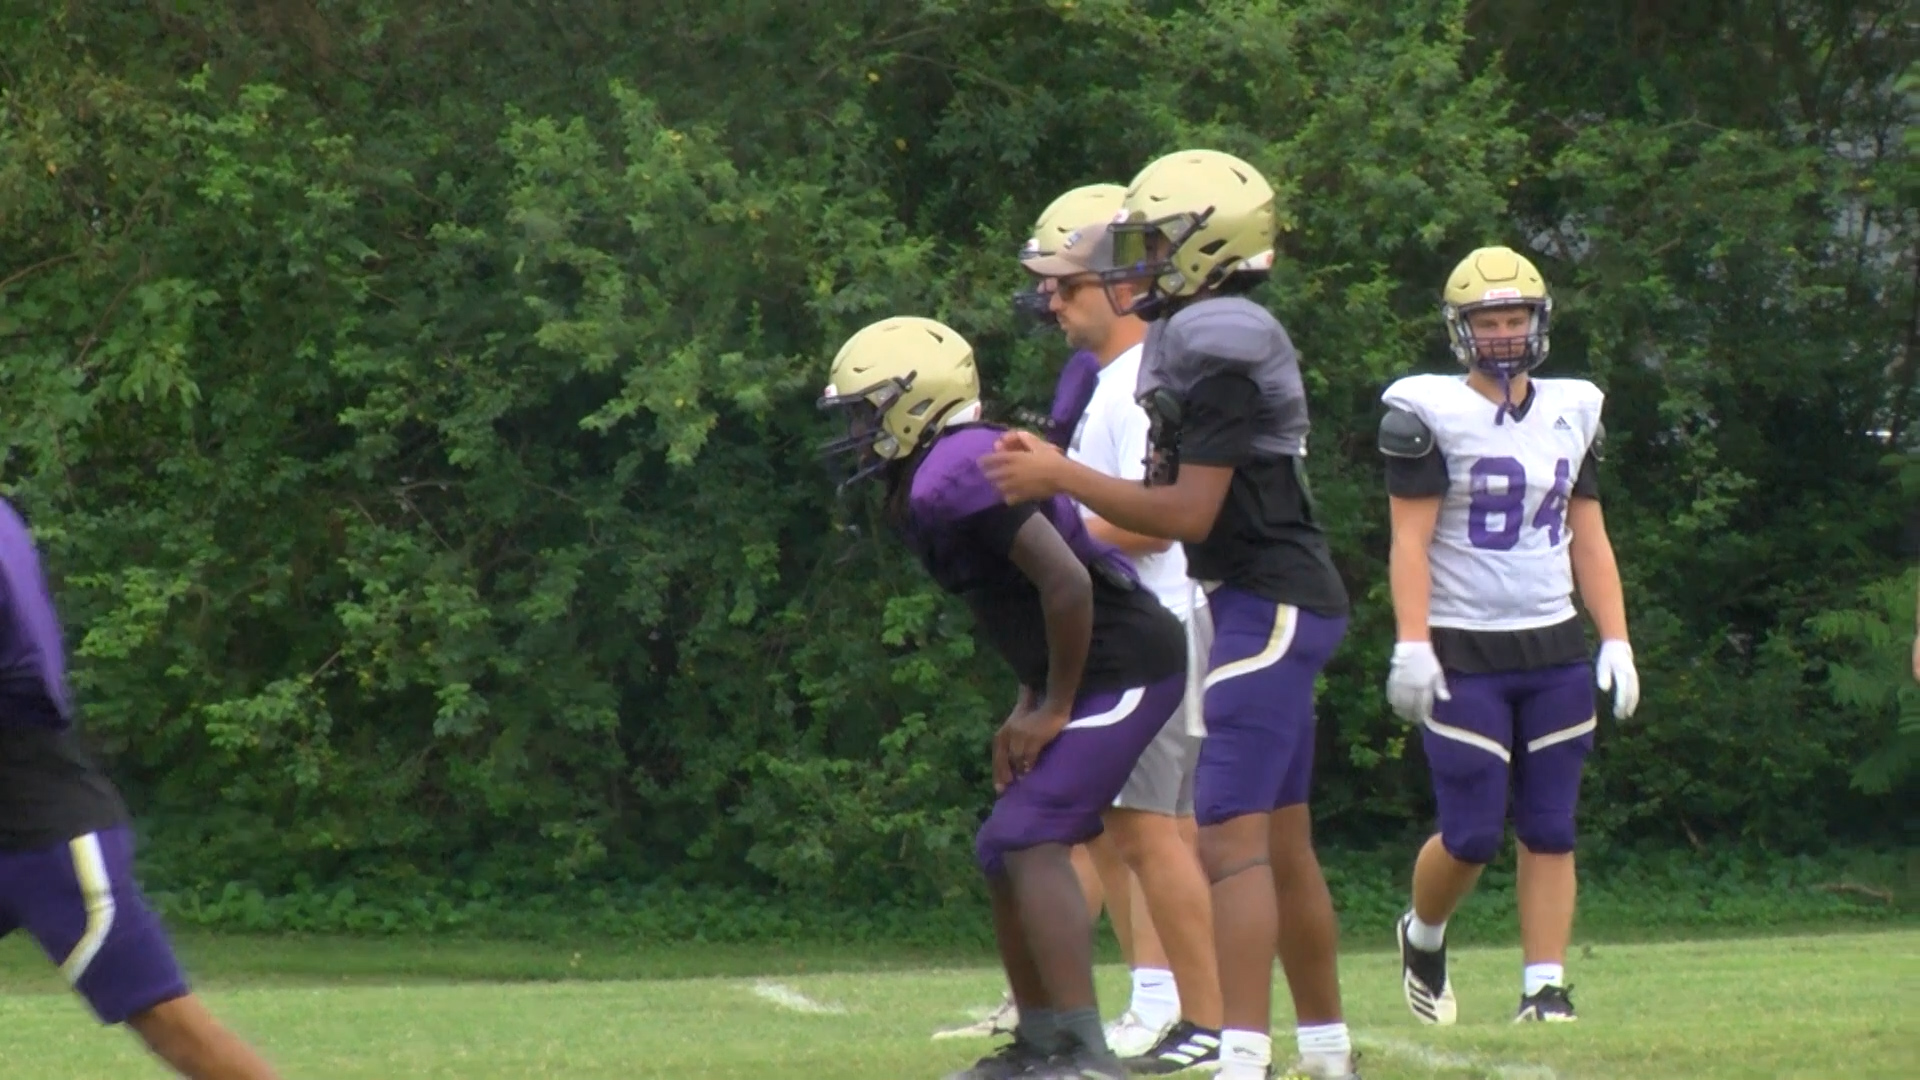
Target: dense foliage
{"type": "Point", "coordinates": [414, 399]}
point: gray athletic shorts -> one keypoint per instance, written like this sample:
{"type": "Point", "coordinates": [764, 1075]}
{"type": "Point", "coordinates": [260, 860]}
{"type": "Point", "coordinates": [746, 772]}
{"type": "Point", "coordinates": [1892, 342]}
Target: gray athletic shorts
{"type": "Point", "coordinates": [1162, 781]}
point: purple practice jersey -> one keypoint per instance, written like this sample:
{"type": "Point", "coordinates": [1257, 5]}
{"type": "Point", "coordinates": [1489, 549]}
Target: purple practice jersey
{"type": "Point", "coordinates": [1070, 396]}
{"type": "Point", "coordinates": [963, 533]}
{"type": "Point", "coordinates": [50, 791]}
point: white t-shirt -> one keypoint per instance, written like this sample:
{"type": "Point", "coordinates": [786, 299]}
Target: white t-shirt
{"type": "Point", "coordinates": [1111, 438]}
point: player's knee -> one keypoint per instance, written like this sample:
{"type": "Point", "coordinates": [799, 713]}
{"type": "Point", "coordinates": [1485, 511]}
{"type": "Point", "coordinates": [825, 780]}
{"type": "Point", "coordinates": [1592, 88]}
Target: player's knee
{"type": "Point", "coordinates": [990, 850]}
{"type": "Point", "coordinates": [1230, 846]}
{"type": "Point", "coordinates": [1545, 834]}
{"type": "Point", "coordinates": [1290, 842]}
{"type": "Point", "coordinates": [1141, 838]}
{"type": "Point", "coordinates": [183, 1033]}
{"type": "Point", "coordinates": [1474, 844]}
{"type": "Point", "coordinates": [1004, 835]}
{"type": "Point", "coordinates": [177, 1030]}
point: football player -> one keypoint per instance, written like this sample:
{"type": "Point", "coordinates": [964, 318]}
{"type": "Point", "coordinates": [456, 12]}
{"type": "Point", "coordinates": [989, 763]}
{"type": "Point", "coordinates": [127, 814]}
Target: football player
{"type": "Point", "coordinates": [1173, 1021]}
{"type": "Point", "coordinates": [1162, 785]}
{"type": "Point", "coordinates": [66, 849]}
{"type": "Point", "coordinates": [1493, 489]}
{"type": "Point", "coordinates": [1101, 667]}
{"type": "Point", "coordinates": [1220, 382]}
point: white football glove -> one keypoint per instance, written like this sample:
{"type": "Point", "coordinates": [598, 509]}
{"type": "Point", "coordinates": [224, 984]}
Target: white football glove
{"type": "Point", "coordinates": [1415, 681]}
{"type": "Point", "coordinates": [1614, 671]}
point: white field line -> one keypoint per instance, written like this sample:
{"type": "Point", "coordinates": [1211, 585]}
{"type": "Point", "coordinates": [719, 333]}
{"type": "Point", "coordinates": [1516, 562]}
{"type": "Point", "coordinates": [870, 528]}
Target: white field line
{"type": "Point", "coordinates": [781, 996]}
{"type": "Point", "coordinates": [1441, 1059]}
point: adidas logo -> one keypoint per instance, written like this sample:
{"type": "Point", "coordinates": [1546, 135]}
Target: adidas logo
{"type": "Point", "coordinates": [1194, 1051]}
{"type": "Point", "coordinates": [1562, 425]}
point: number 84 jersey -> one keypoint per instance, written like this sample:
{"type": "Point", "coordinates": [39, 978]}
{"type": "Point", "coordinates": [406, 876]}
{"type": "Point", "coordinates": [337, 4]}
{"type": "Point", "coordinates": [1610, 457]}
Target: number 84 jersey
{"type": "Point", "coordinates": [1500, 549]}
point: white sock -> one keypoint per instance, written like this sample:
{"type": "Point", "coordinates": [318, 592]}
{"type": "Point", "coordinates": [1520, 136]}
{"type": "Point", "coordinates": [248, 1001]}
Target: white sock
{"type": "Point", "coordinates": [1327, 1046]}
{"type": "Point", "coordinates": [1244, 1055]}
{"type": "Point", "coordinates": [1538, 977]}
{"type": "Point", "coordinates": [1156, 1000]}
{"type": "Point", "coordinates": [1424, 937]}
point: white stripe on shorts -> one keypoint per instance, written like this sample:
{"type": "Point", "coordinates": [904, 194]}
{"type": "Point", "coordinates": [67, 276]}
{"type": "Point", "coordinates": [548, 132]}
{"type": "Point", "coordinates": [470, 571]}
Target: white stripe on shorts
{"type": "Point", "coordinates": [1554, 738]}
{"type": "Point", "coordinates": [1129, 701]}
{"type": "Point", "coordinates": [90, 868]}
{"type": "Point", "coordinates": [1199, 627]}
{"type": "Point", "coordinates": [1286, 619]}
{"type": "Point", "coordinates": [1470, 738]}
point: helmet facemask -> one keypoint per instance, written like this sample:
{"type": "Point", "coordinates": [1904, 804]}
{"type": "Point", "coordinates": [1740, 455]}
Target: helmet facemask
{"type": "Point", "coordinates": [1501, 358]}
{"type": "Point", "coordinates": [1144, 254]}
{"type": "Point", "coordinates": [869, 443]}
{"type": "Point", "coordinates": [1034, 309]}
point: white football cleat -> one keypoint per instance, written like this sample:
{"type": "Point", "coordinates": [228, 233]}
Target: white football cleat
{"type": "Point", "coordinates": [1130, 1037]}
{"type": "Point", "coordinates": [1003, 1018]}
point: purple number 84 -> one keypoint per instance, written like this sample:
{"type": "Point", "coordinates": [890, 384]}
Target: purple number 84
{"type": "Point", "coordinates": [1507, 505]}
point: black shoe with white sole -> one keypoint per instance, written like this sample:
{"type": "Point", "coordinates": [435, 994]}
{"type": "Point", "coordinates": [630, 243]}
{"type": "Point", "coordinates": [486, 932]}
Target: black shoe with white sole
{"type": "Point", "coordinates": [1018, 1058]}
{"type": "Point", "coordinates": [1551, 1004]}
{"type": "Point", "coordinates": [1423, 979]}
{"type": "Point", "coordinates": [1079, 1064]}
{"type": "Point", "coordinates": [1186, 1045]}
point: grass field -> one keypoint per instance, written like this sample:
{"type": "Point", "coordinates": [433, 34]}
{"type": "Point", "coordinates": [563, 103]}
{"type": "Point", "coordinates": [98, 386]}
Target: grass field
{"type": "Point", "coordinates": [1838, 1006]}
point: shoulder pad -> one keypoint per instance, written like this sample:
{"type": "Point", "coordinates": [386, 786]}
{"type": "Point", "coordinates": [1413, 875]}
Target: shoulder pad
{"type": "Point", "coordinates": [1226, 328]}
{"type": "Point", "coordinates": [1587, 392]}
{"type": "Point", "coordinates": [1420, 393]}
{"type": "Point", "coordinates": [1404, 435]}
{"type": "Point", "coordinates": [1598, 447]}
{"type": "Point", "coordinates": [948, 485]}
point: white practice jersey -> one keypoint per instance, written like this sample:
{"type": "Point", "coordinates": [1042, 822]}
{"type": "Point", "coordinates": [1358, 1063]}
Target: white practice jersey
{"type": "Point", "coordinates": [1111, 438]}
{"type": "Point", "coordinates": [1500, 553]}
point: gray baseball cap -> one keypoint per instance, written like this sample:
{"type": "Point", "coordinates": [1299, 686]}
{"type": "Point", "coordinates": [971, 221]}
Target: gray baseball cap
{"type": "Point", "coordinates": [1087, 250]}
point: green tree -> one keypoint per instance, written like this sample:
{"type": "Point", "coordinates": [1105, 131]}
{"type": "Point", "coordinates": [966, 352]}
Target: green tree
{"type": "Point", "coordinates": [415, 401]}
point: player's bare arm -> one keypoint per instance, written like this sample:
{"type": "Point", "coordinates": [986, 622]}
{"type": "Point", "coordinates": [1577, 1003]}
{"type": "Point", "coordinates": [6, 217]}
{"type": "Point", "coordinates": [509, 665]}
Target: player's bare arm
{"type": "Point", "coordinates": [1414, 678]}
{"type": "Point", "coordinates": [1597, 576]}
{"type": "Point", "coordinates": [1003, 773]}
{"type": "Point", "coordinates": [1136, 545]}
{"type": "Point", "coordinates": [1066, 601]}
{"type": "Point", "coordinates": [1409, 573]}
{"type": "Point", "coordinates": [1025, 466]}
{"type": "Point", "coordinates": [1416, 487]}
{"type": "Point", "coordinates": [1595, 573]}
